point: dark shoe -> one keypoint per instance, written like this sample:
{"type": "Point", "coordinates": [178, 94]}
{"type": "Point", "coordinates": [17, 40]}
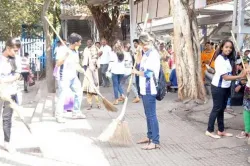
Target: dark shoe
{"type": "Point", "coordinates": [90, 107]}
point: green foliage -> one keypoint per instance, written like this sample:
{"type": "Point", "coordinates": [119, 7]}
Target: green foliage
{"type": "Point", "coordinates": [14, 13]}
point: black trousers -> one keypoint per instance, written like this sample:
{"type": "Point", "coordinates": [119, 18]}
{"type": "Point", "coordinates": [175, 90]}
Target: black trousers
{"type": "Point", "coordinates": [25, 78]}
{"type": "Point", "coordinates": [220, 96]}
{"type": "Point", "coordinates": [137, 85]}
{"type": "Point", "coordinates": [7, 119]}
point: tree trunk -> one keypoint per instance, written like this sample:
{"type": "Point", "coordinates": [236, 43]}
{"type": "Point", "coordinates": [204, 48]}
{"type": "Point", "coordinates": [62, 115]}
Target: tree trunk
{"type": "Point", "coordinates": [108, 27]}
{"type": "Point", "coordinates": [49, 60]}
{"type": "Point", "coordinates": [187, 51]}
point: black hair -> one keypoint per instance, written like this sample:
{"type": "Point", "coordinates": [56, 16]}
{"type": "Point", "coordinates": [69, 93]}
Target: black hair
{"type": "Point", "coordinates": [12, 42]}
{"type": "Point", "coordinates": [26, 54]}
{"type": "Point", "coordinates": [120, 56]}
{"type": "Point", "coordinates": [207, 43]}
{"type": "Point", "coordinates": [246, 51]}
{"type": "Point", "coordinates": [231, 56]}
{"type": "Point", "coordinates": [74, 37]}
{"type": "Point", "coordinates": [136, 40]}
{"type": "Point", "coordinates": [97, 42]}
{"type": "Point", "coordinates": [59, 41]}
{"type": "Point", "coordinates": [212, 43]}
{"type": "Point", "coordinates": [216, 46]}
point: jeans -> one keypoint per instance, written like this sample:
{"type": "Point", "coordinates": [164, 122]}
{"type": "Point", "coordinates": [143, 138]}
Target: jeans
{"type": "Point", "coordinates": [65, 87]}
{"type": "Point", "coordinates": [229, 102]}
{"type": "Point", "coordinates": [220, 97]}
{"type": "Point", "coordinates": [104, 69]}
{"type": "Point", "coordinates": [25, 78]}
{"type": "Point", "coordinates": [117, 78]}
{"type": "Point", "coordinates": [7, 119]}
{"type": "Point", "coordinates": [133, 85]}
{"type": "Point", "coordinates": [149, 104]}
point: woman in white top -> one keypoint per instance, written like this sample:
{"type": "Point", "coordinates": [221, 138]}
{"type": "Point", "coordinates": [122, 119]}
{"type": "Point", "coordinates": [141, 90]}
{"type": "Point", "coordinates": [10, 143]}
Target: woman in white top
{"type": "Point", "coordinates": [117, 68]}
{"type": "Point", "coordinates": [148, 72]}
{"type": "Point", "coordinates": [128, 70]}
{"type": "Point", "coordinates": [220, 87]}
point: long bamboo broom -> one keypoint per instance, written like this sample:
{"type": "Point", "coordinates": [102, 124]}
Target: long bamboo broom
{"type": "Point", "coordinates": [7, 98]}
{"type": "Point", "coordinates": [238, 50]}
{"type": "Point", "coordinates": [108, 105]}
{"type": "Point", "coordinates": [118, 131]}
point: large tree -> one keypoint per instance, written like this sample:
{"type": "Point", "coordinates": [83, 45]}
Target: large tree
{"type": "Point", "coordinates": [187, 51]}
{"type": "Point", "coordinates": [106, 18]}
{"type": "Point", "coordinates": [49, 59]}
{"type": "Point", "coordinates": [14, 13]}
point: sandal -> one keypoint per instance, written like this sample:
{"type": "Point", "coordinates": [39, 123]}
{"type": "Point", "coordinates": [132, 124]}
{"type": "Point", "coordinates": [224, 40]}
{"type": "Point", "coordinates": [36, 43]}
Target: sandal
{"type": "Point", "coordinates": [151, 146]}
{"type": "Point", "coordinates": [144, 141]}
{"type": "Point", "coordinates": [122, 98]}
{"type": "Point", "coordinates": [90, 107]}
{"type": "Point", "coordinates": [116, 102]}
{"type": "Point", "coordinates": [213, 135]}
{"type": "Point", "coordinates": [98, 106]}
{"type": "Point", "coordinates": [224, 134]}
{"type": "Point", "coordinates": [242, 135]}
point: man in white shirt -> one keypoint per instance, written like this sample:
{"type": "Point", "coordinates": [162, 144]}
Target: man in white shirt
{"type": "Point", "coordinates": [68, 64]}
{"type": "Point", "coordinates": [9, 74]}
{"type": "Point", "coordinates": [104, 62]}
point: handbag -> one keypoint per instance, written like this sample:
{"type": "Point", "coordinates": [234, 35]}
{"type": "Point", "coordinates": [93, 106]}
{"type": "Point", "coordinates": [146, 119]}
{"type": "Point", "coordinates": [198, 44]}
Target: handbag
{"type": "Point", "coordinates": [31, 80]}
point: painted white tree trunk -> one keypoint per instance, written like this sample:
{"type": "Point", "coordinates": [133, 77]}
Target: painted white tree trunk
{"type": "Point", "coordinates": [187, 51]}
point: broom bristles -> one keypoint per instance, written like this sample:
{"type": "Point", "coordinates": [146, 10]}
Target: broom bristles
{"type": "Point", "coordinates": [122, 135]}
{"type": "Point", "coordinates": [108, 105]}
{"type": "Point", "coordinates": [109, 131]}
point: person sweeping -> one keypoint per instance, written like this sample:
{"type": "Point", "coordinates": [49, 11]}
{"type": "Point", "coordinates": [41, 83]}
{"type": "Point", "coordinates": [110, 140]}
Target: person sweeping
{"type": "Point", "coordinates": [246, 107]}
{"type": "Point", "coordinates": [9, 74]}
{"type": "Point", "coordinates": [149, 72]}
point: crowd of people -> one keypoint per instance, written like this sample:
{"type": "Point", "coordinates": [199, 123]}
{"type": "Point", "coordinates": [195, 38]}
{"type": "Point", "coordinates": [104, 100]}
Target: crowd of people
{"type": "Point", "coordinates": [103, 65]}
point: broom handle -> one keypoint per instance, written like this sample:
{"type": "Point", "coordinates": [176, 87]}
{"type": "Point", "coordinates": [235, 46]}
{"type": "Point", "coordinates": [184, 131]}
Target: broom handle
{"type": "Point", "coordinates": [131, 79]}
{"type": "Point", "coordinates": [121, 116]}
{"type": "Point", "coordinates": [237, 49]}
{"type": "Point", "coordinates": [91, 83]}
{"type": "Point", "coordinates": [16, 108]}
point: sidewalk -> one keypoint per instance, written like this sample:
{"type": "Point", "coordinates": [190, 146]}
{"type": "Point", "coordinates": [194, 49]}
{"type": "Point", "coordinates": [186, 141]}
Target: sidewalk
{"type": "Point", "coordinates": [74, 143]}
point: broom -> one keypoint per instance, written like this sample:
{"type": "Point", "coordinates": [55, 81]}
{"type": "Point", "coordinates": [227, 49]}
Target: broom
{"type": "Point", "coordinates": [118, 130]}
{"type": "Point", "coordinates": [5, 97]}
{"type": "Point", "coordinates": [107, 104]}
{"type": "Point", "coordinates": [238, 50]}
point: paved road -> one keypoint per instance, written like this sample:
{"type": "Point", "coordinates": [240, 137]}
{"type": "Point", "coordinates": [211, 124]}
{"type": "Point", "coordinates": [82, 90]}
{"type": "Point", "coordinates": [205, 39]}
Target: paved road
{"type": "Point", "coordinates": [74, 143]}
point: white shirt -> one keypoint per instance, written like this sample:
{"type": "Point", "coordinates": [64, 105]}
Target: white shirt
{"type": "Point", "coordinates": [115, 66]}
{"type": "Point", "coordinates": [7, 71]}
{"type": "Point", "coordinates": [150, 65]}
{"type": "Point", "coordinates": [222, 67]}
{"type": "Point", "coordinates": [67, 71]}
{"type": "Point", "coordinates": [105, 57]}
{"type": "Point", "coordinates": [25, 64]}
{"type": "Point", "coordinates": [128, 63]}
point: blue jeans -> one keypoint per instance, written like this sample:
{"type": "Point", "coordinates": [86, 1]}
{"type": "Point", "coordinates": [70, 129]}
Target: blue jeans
{"type": "Point", "coordinates": [229, 102]}
{"type": "Point", "coordinates": [117, 78]}
{"type": "Point", "coordinates": [149, 104]}
{"type": "Point", "coordinates": [66, 87]}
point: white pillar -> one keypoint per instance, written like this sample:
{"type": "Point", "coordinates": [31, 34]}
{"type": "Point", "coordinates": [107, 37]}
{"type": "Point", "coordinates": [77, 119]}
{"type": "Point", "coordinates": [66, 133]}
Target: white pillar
{"type": "Point", "coordinates": [133, 24]}
{"type": "Point", "coordinates": [241, 19]}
